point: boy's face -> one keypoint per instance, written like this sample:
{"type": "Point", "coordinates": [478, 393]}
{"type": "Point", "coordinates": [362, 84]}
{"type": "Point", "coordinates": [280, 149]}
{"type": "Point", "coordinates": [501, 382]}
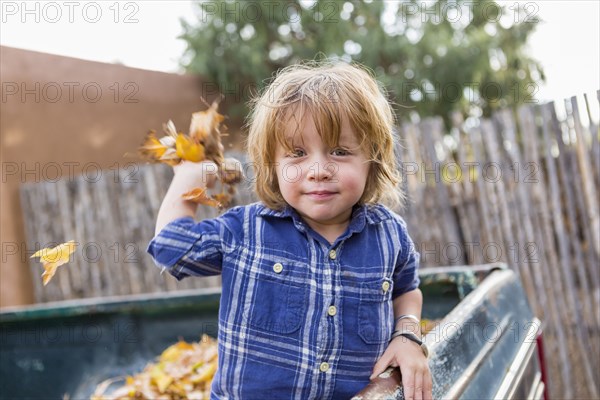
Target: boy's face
{"type": "Point", "coordinates": [320, 182]}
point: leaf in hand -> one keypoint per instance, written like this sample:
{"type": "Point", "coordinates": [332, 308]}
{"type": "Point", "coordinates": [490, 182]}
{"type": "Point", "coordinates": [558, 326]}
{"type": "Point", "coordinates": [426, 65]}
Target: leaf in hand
{"type": "Point", "coordinates": [199, 196]}
{"type": "Point", "coordinates": [231, 172]}
{"type": "Point", "coordinates": [170, 157]}
{"type": "Point", "coordinates": [188, 149]}
{"type": "Point", "coordinates": [206, 123]}
{"type": "Point", "coordinates": [52, 258]}
{"type": "Point", "coordinates": [224, 199]}
{"type": "Point", "coordinates": [152, 147]}
{"type": "Point", "coordinates": [206, 128]}
{"type": "Point", "coordinates": [203, 142]}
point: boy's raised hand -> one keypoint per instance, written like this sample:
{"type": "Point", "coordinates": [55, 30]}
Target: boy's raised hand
{"type": "Point", "coordinates": [197, 174]}
{"type": "Point", "coordinates": [416, 376]}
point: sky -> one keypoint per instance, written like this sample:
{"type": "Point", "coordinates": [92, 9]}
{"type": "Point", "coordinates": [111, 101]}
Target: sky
{"type": "Point", "coordinates": [143, 34]}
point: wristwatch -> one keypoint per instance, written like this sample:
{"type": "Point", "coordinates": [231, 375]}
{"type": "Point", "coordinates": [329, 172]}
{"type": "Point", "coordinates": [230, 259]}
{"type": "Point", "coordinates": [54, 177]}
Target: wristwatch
{"type": "Point", "coordinates": [411, 336]}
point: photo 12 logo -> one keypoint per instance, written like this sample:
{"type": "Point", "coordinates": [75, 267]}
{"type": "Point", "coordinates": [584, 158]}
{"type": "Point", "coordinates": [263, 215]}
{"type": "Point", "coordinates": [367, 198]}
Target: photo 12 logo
{"type": "Point", "coordinates": [69, 11]}
{"type": "Point", "coordinates": [71, 92]}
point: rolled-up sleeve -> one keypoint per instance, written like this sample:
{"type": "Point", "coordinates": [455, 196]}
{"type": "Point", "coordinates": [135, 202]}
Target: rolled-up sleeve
{"type": "Point", "coordinates": [185, 247]}
{"type": "Point", "coordinates": [406, 274]}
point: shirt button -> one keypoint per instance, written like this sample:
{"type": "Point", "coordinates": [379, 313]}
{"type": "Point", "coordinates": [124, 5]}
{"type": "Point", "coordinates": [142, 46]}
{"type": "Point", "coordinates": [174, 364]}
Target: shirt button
{"type": "Point", "coordinates": [324, 367]}
{"type": "Point", "coordinates": [332, 310]}
{"type": "Point", "coordinates": [332, 254]}
{"type": "Point", "coordinates": [385, 286]}
{"type": "Point", "coordinates": [277, 267]}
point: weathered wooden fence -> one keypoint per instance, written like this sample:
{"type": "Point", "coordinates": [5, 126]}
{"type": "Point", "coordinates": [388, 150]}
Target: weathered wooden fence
{"type": "Point", "coordinates": [521, 188]}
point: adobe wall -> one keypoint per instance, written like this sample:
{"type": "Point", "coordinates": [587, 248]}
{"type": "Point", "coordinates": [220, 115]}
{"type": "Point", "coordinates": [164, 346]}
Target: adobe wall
{"type": "Point", "coordinates": [61, 117]}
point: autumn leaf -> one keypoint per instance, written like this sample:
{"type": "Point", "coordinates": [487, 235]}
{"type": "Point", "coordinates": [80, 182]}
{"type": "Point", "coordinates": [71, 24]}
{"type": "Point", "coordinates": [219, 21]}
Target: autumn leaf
{"type": "Point", "coordinates": [188, 149]}
{"type": "Point", "coordinates": [52, 258]}
{"type": "Point", "coordinates": [160, 378]}
{"type": "Point", "coordinates": [152, 147]}
{"type": "Point", "coordinates": [231, 171]}
{"type": "Point", "coordinates": [170, 129]}
{"type": "Point", "coordinates": [224, 199]}
{"type": "Point", "coordinates": [183, 370]}
{"type": "Point", "coordinates": [170, 157]}
{"type": "Point", "coordinates": [203, 142]}
{"type": "Point", "coordinates": [206, 123]}
{"type": "Point", "coordinates": [199, 196]}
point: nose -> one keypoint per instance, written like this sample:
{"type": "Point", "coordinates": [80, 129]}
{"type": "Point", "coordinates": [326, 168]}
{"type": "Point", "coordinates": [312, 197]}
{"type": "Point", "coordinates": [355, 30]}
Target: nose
{"type": "Point", "coordinates": [321, 171]}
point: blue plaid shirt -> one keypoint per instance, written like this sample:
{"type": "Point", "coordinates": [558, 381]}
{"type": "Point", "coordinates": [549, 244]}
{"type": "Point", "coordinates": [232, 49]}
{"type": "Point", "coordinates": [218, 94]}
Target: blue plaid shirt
{"type": "Point", "coordinates": [299, 318]}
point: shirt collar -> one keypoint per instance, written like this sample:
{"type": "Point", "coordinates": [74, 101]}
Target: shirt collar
{"type": "Point", "coordinates": [361, 214]}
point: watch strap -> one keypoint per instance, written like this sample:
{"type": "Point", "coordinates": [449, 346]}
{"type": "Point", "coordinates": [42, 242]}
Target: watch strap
{"type": "Point", "coordinates": [412, 337]}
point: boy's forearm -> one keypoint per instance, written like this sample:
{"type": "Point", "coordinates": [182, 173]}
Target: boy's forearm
{"type": "Point", "coordinates": [408, 303]}
{"type": "Point", "coordinates": [173, 205]}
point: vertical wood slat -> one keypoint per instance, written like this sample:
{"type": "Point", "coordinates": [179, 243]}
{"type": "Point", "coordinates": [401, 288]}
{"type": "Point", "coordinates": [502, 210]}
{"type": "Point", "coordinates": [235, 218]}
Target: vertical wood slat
{"type": "Point", "coordinates": [581, 226]}
{"type": "Point", "coordinates": [521, 213]}
{"type": "Point", "coordinates": [412, 167]}
{"type": "Point", "coordinates": [451, 234]}
{"type": "Point", "coordinates": [594, 132]}
{"type": "Point", "coordinates": [563, 239]}
{"type": "Point", "coordinates": [485, 195]}
{"type": "Point", "coordinates": [571, 307]}
{"type": "Point", "coordinates": [447, 230]}
{"type": "Point", "coordinates": [590, 311]}
{"type": "Point", "coordinates": [429, 212]}
{"type": "Point", "coordinates": [492, 149]}
{"type": "Point", "coordinates": [542, 229]}
{"type": "Point", "coordinates": [451, 175]}
{"type": "Point", "coordinates": [526, 236]}
{"type": "Point", "coordinates": [587, 179]}
{"type": "Point", "coordinates": [471, 232]}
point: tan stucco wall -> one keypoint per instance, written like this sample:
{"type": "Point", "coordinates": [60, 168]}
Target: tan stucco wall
{"type": "Point", "coordinates": [44, 132]}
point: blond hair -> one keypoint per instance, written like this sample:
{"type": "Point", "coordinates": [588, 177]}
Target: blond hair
{"type": "Point", "coordinates": [330, 91]}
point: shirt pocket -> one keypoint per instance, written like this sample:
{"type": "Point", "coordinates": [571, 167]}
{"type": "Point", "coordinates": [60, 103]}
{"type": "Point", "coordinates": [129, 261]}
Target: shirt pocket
{"type": "Point", "coordinates": [279, 301]}
{"type": "Point", "coordinates": [375, 311]}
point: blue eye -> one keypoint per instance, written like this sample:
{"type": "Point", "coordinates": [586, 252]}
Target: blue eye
{"type": "Point", "coordinates": [297, 153]}
{"type": "Point", "coordinates": [340, 152]}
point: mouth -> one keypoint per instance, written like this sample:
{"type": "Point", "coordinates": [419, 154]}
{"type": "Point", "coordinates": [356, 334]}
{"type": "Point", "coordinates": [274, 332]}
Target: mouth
{"type": "Point", "coordinates": [320, 194]}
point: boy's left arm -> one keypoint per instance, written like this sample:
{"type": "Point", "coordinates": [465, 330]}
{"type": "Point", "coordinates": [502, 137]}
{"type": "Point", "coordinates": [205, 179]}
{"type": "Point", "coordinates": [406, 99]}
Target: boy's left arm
{"type": "Point", "coordinates": [406, 354]}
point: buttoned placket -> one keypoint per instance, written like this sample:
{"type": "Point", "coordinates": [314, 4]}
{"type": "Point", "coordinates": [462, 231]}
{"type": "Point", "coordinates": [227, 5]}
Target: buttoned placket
{"type": "Point", "coordinates": [331, 320]}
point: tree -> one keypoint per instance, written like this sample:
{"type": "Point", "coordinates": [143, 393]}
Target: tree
{"type": "Point", "coordinates": [432, 56]}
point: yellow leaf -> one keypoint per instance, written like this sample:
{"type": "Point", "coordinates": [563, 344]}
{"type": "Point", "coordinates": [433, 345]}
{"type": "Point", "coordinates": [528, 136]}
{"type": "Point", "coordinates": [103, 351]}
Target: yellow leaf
{"type": "Point", "coordinates": [205, 373]}
{"type": "Point", "coordinates": [52, 258]}
{"type": "Point", "coordinates": [160, 379]}
{"type": "Point", "coordinates": [188, 149]}
{"type": "Point", "coordinates": [170, 157]}
{"type": "Point", "coordinates": [173, 352]}
{"type": "Point", "coordinates": [152, 147]}
{"type": "Point", "coordinates": [59, 254]}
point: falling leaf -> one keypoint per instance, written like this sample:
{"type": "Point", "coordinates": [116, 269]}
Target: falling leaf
{"type": "Point", "coordinates": [52, 258]}
{"type": "Point", "coordinates": [199, 196]}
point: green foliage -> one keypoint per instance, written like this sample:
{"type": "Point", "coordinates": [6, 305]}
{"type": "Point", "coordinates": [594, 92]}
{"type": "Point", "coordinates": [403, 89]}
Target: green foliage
{"type": "Point", "coordinates": [433, 57]}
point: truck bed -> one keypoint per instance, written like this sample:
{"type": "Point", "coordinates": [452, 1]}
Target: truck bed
{"type": "Point", "coordinates": [67, 348]}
